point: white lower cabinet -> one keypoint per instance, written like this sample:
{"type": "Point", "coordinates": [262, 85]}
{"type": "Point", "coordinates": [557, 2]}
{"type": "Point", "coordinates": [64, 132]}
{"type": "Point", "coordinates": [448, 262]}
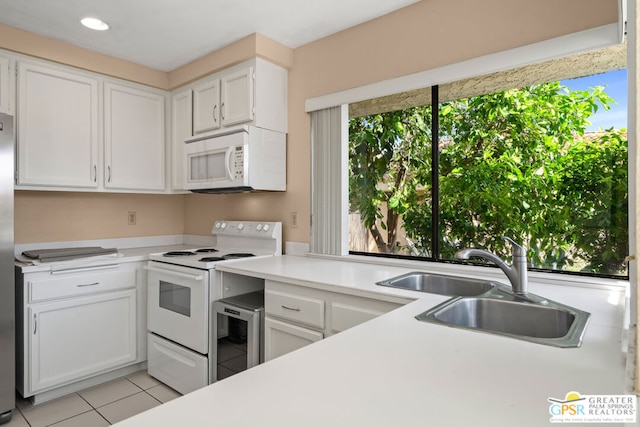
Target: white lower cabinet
{"type": "Point", "coordinates": [71, 339]}
{"type": "Point", "coordinates": [296, 316]}
{"type": "Point", "coordinates": [73, 326]}
{"type": "Point", "coordinates": [282, 338]}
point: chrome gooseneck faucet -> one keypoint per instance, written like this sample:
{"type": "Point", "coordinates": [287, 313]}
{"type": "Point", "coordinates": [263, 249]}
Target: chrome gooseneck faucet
{"type": "Point", "coordinates": [516, 272]}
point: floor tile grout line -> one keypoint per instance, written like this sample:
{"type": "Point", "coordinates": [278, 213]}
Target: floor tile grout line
{"type": "Point", "coordinates": [96, 408]}
{"type": "Point", "coordinates": [118, 400]}
{"type": "Point", "coordinates": [23, 417]}
{"type": "Point", "coordinates": [140, 387]}
{"type": "Point", "coordinates": [153, 397]}
{"type": "Point", "coordinates": [68, 418]}
{"type": "Point", "coordinates": [103, 417]}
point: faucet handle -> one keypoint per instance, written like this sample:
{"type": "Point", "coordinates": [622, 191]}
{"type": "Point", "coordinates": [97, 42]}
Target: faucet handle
{"type": "Point", "coordinates": [518, 251]}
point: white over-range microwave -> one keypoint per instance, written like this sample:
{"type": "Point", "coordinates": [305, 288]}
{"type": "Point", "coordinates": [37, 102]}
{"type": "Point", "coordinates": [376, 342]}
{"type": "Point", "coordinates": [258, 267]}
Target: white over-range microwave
{"type": "Point", "coordinates": [244, 158]}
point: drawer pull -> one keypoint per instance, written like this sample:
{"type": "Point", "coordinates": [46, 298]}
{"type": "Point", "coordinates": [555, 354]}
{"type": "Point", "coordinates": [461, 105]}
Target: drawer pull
{"type": "Point", "coordinates": [88, 284]}
{"type": "Point", "coordinates": [289, 308]}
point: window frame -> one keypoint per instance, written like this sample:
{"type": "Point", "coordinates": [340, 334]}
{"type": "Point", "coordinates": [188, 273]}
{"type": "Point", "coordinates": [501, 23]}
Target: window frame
{"type": "Point", "coordinates": [567, 45]}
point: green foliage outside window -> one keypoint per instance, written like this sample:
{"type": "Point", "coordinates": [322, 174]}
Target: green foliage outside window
{"type": "Point", "coordinates": [516, 163]}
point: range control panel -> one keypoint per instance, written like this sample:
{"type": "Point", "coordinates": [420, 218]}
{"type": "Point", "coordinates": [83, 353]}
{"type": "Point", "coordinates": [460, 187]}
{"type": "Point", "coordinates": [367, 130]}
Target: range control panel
{"type": "Point", "coordinates": [238, 162]}
{"type": "Point", "coordinates": [246, 228]}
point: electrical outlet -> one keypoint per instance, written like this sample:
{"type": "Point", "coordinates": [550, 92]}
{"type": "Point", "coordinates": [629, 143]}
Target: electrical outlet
{"type": "Point", "coordinates": [132, 217]}
{"type": "Point", "coordinates": [294, 219]}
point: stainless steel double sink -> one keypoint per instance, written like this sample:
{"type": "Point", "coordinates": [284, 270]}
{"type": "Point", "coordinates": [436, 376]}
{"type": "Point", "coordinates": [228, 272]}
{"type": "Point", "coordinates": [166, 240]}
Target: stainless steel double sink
{"type": "Point", "coordinates": [491, 307]}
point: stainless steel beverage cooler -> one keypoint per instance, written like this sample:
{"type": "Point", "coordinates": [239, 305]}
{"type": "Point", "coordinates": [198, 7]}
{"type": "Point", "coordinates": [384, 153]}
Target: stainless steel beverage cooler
{"type": "Point", "coordinates": [238, 328]}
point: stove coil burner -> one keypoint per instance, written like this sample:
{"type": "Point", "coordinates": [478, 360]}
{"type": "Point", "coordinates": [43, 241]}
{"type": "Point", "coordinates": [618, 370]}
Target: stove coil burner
{"type": "Point", "coordinates": [211, 258]}
{"type": "Point", "coordinates": [206, 250]}
{"type": "Point", "coordinates": [177, 253]}
{"type": "Point", "coordinates": [238, 255]}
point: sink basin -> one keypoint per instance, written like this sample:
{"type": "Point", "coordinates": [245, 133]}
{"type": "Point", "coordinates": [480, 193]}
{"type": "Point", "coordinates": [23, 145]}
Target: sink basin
{"type": "Point", "coordinates": [438, 284]}
{"type": "Point", "coordinates": [500, 313]}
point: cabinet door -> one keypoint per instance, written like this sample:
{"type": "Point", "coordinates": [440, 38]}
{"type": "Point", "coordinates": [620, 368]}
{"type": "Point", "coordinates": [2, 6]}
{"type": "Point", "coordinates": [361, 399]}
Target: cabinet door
{"type": "Point", "coordinates": [350, 311]}
{"type": "Point", "coordinates": [4, 86]}
{"type": "Point", "coordinates": [282, 338]}
{"type": "Point", "coordinates": [237, 97]}
{"type": "Point", "coordinates": [57, 128]}
{"type": "Point", "coordinates": [206, 107]}
{"type": "Point", "coordinates": [134, 139]}
{"type": "Point", "coordinates": [79, 337]}
{"type": "Point", "coordinates": [182, 128]}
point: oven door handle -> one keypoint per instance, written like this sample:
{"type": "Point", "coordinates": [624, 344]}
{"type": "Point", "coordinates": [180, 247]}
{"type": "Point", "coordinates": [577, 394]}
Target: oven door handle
{"type": "Point", "coordinates": [174, 273]}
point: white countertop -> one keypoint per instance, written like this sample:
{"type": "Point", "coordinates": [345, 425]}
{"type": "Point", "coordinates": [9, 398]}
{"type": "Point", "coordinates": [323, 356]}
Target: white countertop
{"type": "Point", "coordinates": [123, 256]}
{"type": "Point", "coordinates": [394, 370]}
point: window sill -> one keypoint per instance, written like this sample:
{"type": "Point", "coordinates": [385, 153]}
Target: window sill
{"type": "Point", "coordinates": [489, 272]}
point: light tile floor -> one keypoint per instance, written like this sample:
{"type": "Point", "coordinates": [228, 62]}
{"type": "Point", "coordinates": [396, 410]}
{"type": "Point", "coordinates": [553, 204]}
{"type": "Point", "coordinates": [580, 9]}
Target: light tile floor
{"type": "Point", "coordinates": [98, 406]}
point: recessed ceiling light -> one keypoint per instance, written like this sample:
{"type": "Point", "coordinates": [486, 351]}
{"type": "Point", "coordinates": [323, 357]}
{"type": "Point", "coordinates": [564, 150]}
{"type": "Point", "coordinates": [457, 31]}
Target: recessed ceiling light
{"type": "Point", "coordinates": [94, 24]}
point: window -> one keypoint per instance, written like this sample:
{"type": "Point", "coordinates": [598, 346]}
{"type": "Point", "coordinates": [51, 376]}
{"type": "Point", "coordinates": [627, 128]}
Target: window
{"type": "Point", "coordinates": [517, 161]}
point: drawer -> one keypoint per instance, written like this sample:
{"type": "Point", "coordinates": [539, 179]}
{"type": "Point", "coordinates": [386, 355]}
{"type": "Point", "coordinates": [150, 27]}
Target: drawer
{"type": "Point", "coordinates": [178, 367]}
{"type": "Point", "coordinates": [297, 308]}
{"type": "Point", "coordinates": [79, 283]}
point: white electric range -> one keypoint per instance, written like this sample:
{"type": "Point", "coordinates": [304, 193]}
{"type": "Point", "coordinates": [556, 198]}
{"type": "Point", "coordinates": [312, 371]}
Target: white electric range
{"type": "Point", "coordinates": [182, 286]}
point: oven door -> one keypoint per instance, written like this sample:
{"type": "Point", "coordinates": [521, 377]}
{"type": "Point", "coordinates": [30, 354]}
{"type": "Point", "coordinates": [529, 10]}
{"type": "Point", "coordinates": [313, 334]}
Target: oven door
{"type": "Point", "coordinates": [177, 304]}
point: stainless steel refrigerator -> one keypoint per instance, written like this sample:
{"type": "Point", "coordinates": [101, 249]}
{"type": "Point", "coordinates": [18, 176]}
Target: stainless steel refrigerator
{"type": "Point", "coordinates": [7, 299]}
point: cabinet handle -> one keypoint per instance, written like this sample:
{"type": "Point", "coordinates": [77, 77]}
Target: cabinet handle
{"type": "Point", "coordinates": [215, 119]}
{"type": "Point", "coordinates": [109, 173]}
{"type": "Point", "coordinates": [222, 111]}
{"type": "Point", "coordinates": [87, 284]}
{"type": "Point", "coordinates": [95, 173]}
{"type": "Point", "coordinates": [35, 323]}
{"type": "Point", "coordinates": [289, 308]}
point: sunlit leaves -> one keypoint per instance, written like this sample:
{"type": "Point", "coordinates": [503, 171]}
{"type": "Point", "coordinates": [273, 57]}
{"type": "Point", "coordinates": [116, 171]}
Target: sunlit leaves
{"type": "Point", "coordinates": [515, 163]}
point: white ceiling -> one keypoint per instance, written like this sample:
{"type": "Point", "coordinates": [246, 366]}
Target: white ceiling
{"type": "Point", "coordinates": [165, 34]}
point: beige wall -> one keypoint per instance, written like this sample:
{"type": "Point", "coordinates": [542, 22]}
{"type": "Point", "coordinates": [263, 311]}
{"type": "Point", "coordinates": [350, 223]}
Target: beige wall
{"type": "Point", "coordinates": [246, 48]}
{"type": "Point", "coordinates": [422, 36]}
{"type": "Point", "coordinates": [53, 50]}
{"type": "Point", "coordinates": [53, 216]}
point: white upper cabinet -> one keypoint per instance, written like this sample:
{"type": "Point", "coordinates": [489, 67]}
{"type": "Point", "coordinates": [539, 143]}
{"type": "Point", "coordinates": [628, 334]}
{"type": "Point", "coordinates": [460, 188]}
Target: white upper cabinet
{"type": "Point", "coordinates": [181, 129]}
{"type": "Point", "coordinates": [223, 102]}
{"type": "Point", "coordinates": [57, 127]}
{"type": "Point", "coordinates": [82, 131]}
{"type": "Point", "coordinates": [253, 92]}
{"type": "Point", "coordinates": [4, 86]}
{"type": "Point", "coordinates": [237, 104]}
{"type": "Point", "coordinates": [206, 110]}
{"type": "Point", "coordinates": [134, 138]}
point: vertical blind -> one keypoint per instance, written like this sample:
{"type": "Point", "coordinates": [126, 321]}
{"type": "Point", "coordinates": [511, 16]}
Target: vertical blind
{"type": "Point", "coordinates": [329, 181]}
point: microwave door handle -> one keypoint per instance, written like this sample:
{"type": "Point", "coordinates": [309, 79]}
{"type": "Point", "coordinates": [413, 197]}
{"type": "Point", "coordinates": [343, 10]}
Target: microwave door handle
{"type": "Point", "coordinates": [228, 158]}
